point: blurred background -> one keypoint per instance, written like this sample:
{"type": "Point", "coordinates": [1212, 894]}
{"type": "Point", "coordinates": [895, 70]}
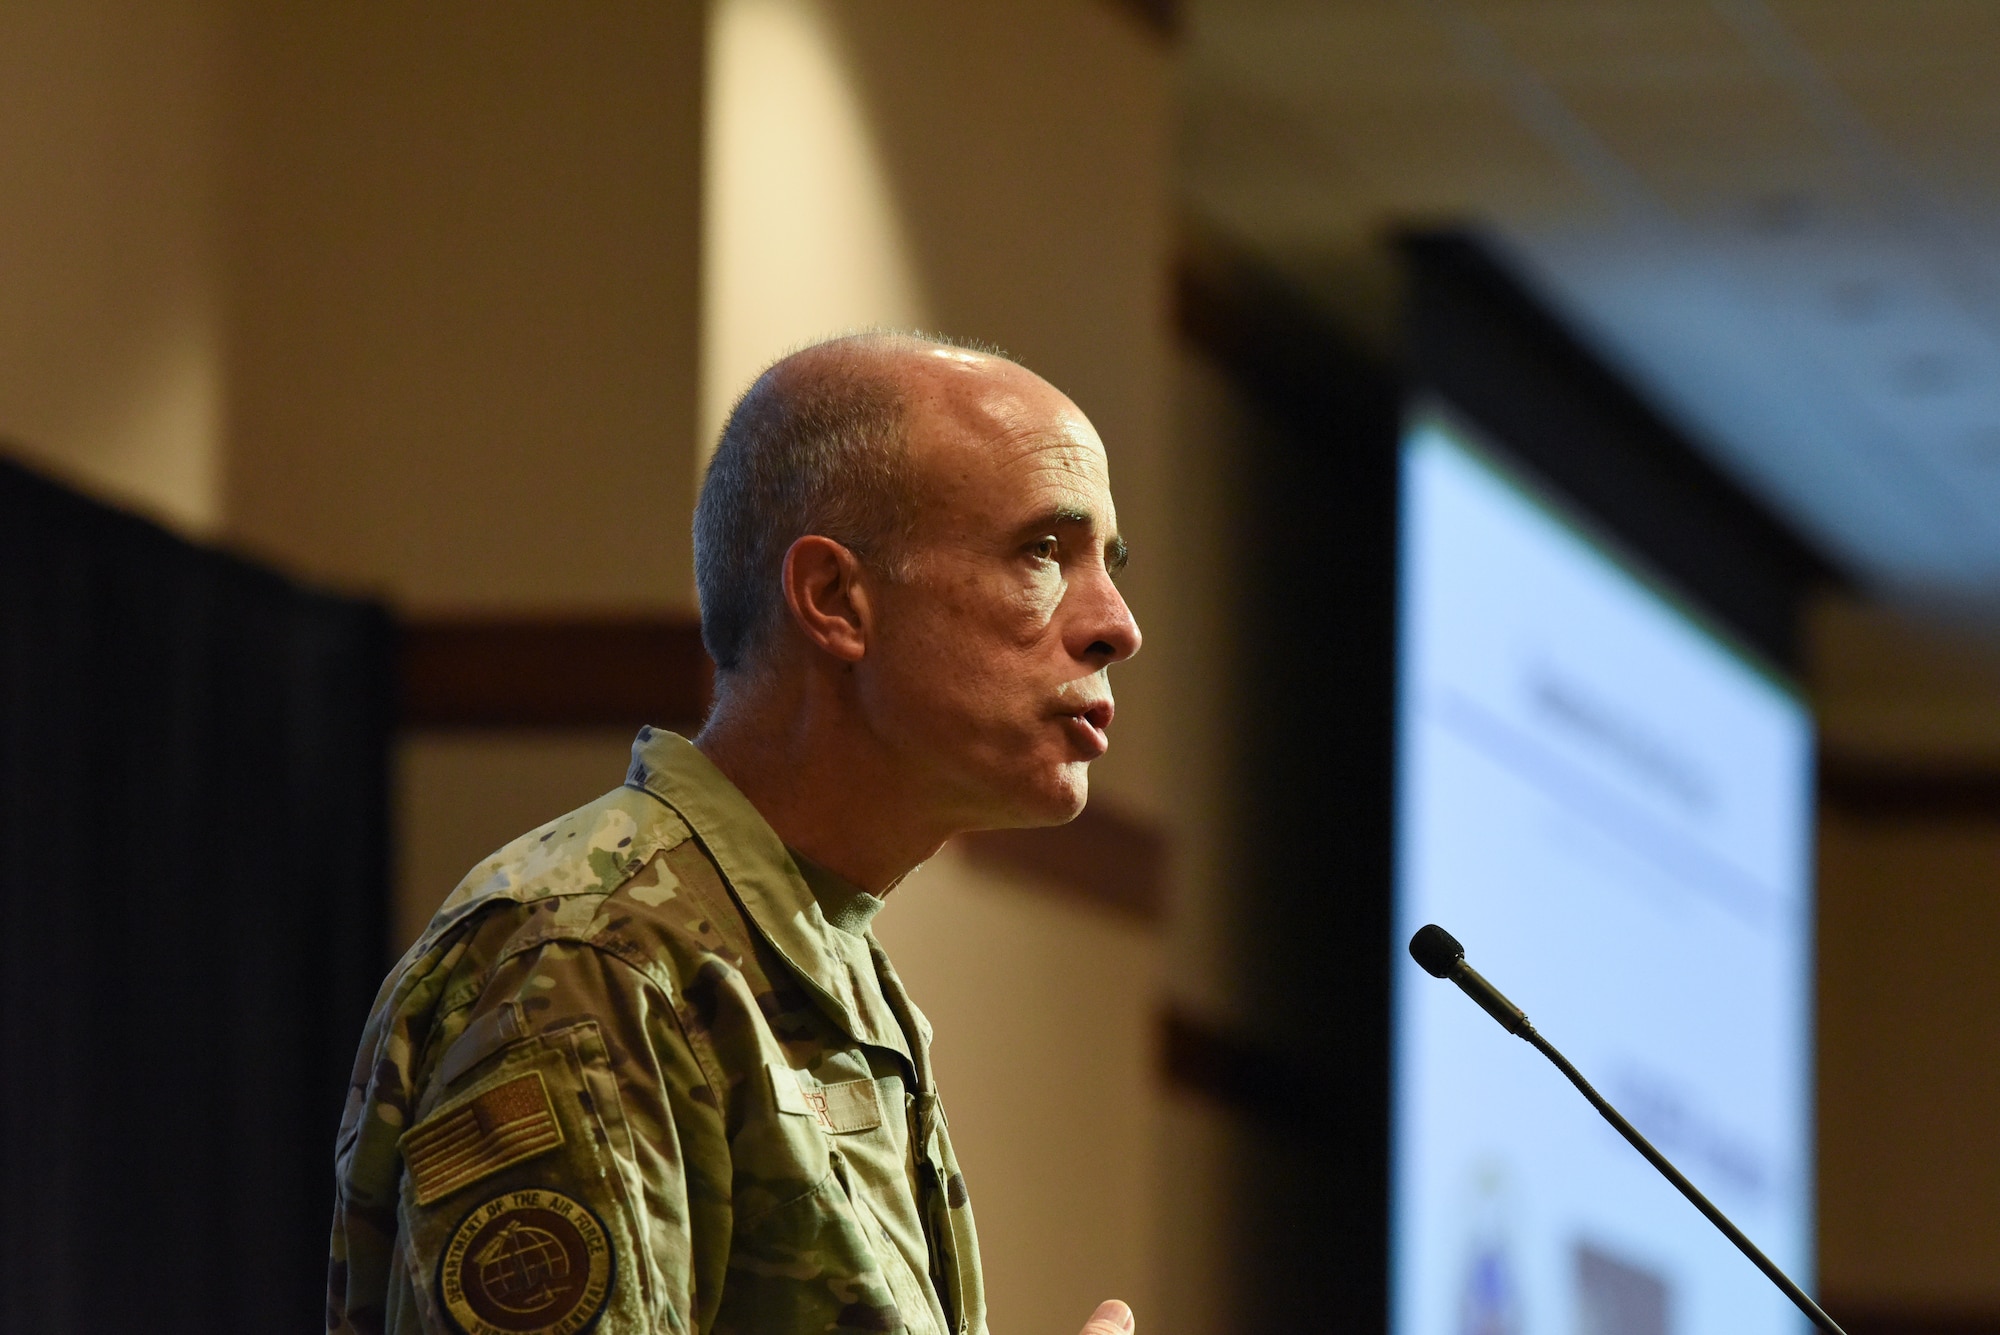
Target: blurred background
{"type": "Point", "coordinates": [395, 337]}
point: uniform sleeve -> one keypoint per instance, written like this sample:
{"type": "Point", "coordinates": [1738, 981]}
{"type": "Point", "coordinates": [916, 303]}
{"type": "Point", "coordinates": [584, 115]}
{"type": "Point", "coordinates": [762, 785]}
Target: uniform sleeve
{"type": "Point", "coordinates": [567, 1165]}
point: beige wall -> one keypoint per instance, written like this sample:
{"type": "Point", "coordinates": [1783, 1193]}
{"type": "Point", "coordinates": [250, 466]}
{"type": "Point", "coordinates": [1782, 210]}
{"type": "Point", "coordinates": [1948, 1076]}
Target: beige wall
{"type": "Point", "coordinates": [402, 298]}
{"type": "Point", "coordinates": [803, 235]}
{"type": "Point", "coordinates": [111, 343]}
{"type": "Point", "coordinates": [465, 242]}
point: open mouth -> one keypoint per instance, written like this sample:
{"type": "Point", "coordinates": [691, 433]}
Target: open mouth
{"type": "Point", "coordinates": [1092, 726]}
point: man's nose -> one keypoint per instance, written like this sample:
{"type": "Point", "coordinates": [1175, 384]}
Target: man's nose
{"type": "Point", "coordinates": [1107, 628]}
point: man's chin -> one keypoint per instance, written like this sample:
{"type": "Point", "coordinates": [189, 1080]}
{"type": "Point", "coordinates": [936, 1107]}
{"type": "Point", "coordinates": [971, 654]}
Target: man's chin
{"type": "Point", "coordinates": [1055, 799]}
{"type": "Point", "coordinates": [1063, 799]}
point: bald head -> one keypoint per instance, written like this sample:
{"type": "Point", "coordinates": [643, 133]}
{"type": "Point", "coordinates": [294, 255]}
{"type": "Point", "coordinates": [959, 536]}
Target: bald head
{"type": "Point", "coordinates": [821, 444]}
{"type": "Point", "coordinates": [908, 556]}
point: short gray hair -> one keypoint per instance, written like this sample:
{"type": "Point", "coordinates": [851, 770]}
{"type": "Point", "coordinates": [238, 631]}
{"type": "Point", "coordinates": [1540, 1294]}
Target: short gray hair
{"type": "Point", "coordinates": [817, 448]}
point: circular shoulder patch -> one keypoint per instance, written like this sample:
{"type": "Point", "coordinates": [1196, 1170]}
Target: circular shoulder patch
{"type": "Point", "coordinates": [530, 1262]}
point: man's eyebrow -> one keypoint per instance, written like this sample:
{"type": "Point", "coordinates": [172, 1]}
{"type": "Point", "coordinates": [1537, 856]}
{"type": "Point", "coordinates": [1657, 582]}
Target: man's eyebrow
{"type": "Point", "coordinates": [1116, 553]}
{"type": "Point", "coordinates": [1057, 518]}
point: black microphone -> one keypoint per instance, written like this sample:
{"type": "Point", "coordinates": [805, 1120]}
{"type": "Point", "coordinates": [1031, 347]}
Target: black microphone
{"type": "Point", "coordinates": [1441, 956]}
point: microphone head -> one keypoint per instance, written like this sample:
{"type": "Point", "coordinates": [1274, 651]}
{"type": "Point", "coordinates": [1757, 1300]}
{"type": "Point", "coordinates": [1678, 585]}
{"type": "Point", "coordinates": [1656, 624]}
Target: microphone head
{"type": "Point", "coordinates": [1436, 949]}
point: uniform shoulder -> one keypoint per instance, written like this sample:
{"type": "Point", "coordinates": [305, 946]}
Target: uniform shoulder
{"type": "Point", "coordinates": [589, 851]}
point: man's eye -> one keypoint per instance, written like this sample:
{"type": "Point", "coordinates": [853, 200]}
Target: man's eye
{"type": "Point", "coordinates": [1045, 550]}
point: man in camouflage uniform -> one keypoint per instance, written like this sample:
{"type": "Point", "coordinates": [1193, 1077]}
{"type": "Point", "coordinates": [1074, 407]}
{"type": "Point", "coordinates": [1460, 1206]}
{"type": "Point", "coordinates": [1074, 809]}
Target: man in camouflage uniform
{"type": "Point", "coordinates": [648, 1069]}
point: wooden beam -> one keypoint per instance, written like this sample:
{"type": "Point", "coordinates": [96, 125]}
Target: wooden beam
{"type": "Point", "coordinates": [1884, 1319]}
{"type": "Point", "coordinates": [1161, 18]}
{"type": "Point", "coordinates": [1107, 858]}
{"type": "Point", "coordinates": [553, 672]}
{"type": "Point", "coordinates": [1199, 1057]}
{"type": "Point", "coordinates": [1872, 789]}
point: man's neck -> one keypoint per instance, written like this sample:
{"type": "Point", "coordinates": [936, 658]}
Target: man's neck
{"type": "Point", "coordinates": [825, 784]}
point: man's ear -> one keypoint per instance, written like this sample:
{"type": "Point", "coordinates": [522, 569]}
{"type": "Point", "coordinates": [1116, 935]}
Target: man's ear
{"type": "Point", "coordinates": [828, 602]}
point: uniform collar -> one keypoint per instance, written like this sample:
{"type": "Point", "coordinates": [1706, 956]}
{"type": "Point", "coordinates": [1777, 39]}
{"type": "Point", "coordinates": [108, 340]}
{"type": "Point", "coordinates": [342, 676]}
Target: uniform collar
{"type": "Point", "coordinates": [836, 967]}
{"type": "Point", "coordinates": [844, 904]}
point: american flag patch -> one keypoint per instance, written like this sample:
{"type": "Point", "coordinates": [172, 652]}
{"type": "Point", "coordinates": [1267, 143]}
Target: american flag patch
{"type": "Point", "coordinates": [501, 1126]}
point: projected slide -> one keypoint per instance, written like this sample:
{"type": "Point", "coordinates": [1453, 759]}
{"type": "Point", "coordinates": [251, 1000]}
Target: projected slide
{"type": "Point", "coordinates": [1609, 804]}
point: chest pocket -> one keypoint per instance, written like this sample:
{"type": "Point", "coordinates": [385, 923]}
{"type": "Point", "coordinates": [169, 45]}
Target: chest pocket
{"type": "Point", "coordinates": [842, 1108]}
{"type": "Point", "coordinates": [860, 1129]}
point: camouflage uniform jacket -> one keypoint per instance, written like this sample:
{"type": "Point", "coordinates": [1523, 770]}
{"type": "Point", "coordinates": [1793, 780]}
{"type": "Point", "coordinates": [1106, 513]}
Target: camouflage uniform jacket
{"type": "Point", "coordinates": [632, 1075]}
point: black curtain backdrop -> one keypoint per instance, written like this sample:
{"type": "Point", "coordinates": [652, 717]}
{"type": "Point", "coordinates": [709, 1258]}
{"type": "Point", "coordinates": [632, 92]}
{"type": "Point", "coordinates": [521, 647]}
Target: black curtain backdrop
{"type": "Point", "coordinates": [1311, 912]}
{"type": "Point", "coordinates": [193, 835]}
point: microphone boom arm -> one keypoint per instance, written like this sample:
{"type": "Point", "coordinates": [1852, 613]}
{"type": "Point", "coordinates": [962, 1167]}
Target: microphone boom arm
{"type": "Point", "coordinates": [1441, 956]}
{"type": "Point", "coordinates": [1800, 1298]}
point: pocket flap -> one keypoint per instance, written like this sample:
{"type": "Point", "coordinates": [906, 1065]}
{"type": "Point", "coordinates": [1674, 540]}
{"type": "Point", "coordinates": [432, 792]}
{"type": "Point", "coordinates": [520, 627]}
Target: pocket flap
{"type": "Point", "coordinates": [481, 1039]}
{"type": "Point", "coordinates": [848, 1105]}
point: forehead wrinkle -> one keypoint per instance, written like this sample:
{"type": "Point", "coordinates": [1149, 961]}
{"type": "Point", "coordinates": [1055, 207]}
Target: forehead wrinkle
{"type": "Point", "coordinates": [1021, 437]}
{"type": "Point", "coordinates": [1066, 451]}
{"type": "Point", "coordinates": [1069, 469]}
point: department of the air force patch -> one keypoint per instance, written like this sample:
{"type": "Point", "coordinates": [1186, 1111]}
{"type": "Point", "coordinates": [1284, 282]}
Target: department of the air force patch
{"type": "Point", "coordinates": [530, 1262]}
